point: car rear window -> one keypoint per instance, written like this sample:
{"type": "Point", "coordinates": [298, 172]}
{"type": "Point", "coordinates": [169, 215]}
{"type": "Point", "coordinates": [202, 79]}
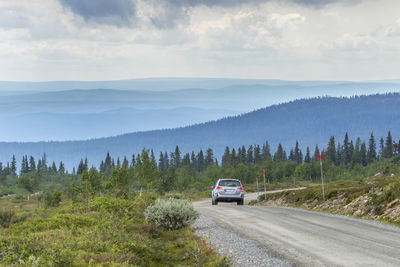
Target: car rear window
{"type": "Point", "coordinates": [229, 183]}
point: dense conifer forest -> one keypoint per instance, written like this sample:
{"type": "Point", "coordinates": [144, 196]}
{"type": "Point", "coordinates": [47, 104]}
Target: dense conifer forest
{"type": "Point", "coordinates": [177, 171]}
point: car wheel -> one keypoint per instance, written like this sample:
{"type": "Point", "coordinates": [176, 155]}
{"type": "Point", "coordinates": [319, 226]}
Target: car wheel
{"type": "Point", "coordinates": [212, 202]}
{"type": "Point", "coordinates": [216, 202]}
{"type": "Point", "coordinates": [241, 202]}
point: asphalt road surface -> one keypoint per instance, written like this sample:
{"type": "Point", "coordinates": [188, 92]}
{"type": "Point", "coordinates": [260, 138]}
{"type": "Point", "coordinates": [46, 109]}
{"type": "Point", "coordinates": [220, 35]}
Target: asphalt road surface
{"type": "Point", "coordinates": [309, 238]}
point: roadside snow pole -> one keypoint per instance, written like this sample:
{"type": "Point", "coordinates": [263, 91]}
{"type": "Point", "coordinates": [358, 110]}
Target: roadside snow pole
{"type": "Point", "coordinates": [320, 159]}
{"type": "Point", "coordinates": [265, 186]}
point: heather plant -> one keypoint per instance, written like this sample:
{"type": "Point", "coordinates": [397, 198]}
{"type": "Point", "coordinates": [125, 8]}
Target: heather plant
{"type": "Point", "coordinates": [6, 217]}
{"type": "Point", "coordinates": [171, 214]}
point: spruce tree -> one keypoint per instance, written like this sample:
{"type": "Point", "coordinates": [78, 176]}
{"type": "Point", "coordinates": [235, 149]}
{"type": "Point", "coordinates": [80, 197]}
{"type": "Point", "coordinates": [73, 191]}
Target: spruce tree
{"type": "Point", "coordinates": [346, 156]}
{"type": "Point", "coordinates": [133, 160]}
{"type": "Point", "coordinates": [54, 168]}
{"type": "Point", "coordinates": [44, 162]}
{"type": "Point", "coordinates": [166, 161]}
{"type": "Point", "coordinates": [291, 155]}
{"type": "Point", "coordinates": [351, 149]}
{"type": "Point", "coordinates": [32, 164]}
{"type": "Point", "coordinates": [125, 163]}
{"type": "Point", "coordinates": [266, 152]}
{"type": "Point", "coordinates": [61, 168]}
{"type": "Point", "coordinates": [107, 162]}
{"type": "Point", "coordinates": [363, 154]}
{"type": "Point", "coordinates": [249, 156]}
{"type": "Point", "coordinates": [257, 154]}
{"type": "Point", "coordinates": [316, 152]}
{"type": "Point", "coordinates": [118, 163]}
{"type": "Point", "coordinates": [307, 158]}
{"type": "Point", "coordinates": [193, 160]}
{"type": "Point", "coordinates": [186, 160]}
{"type": "Point", "coordinates": [209, 157]}
{"type": "Point", "coordinates": [101, 167]}
{"type": "Point", "coordinates": [177, 157]}
{"type": "Point", "coordinates": [338, 154]}
{"type": "Point", "coordinates": [371, 154]}
{"type": "Point", "coordinates": [298, 157]}
{"type": "Point", "coordinates": [388, 151]}
{"type": "Point", "coordinates": [81, 167]}
{"type": "Point", "coordinates": [242, 156]}
{"type": "Point", "coordinates": [24, 165]}
{"type": "Point", "coordinates": [280, 155]}
{"type": "Point", "coordinates": [161, 164]}
{"type": "Point", "coordinates": [200, 160]}
{"type": "Point", "coordinates": [226, 158]}
{"type": "Point", "coordinates": [331, 150]}
{"type": "Point", "coordinates": [234, 158]}
{"type": "Point", "coordinates": [13, 168]}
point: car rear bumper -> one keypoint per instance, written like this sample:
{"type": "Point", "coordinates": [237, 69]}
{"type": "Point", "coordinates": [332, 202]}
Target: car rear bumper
{"type": "Point", "coordinates": [229, 198]}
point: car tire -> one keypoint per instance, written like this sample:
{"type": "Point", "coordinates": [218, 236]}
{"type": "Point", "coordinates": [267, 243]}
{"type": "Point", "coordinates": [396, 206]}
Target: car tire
{"type": "Point", "coordinates": [240, 202]}
{"type": "Point", "coordinates": [212, 202]}
{"type": "Point", "coordinates": [216, 202]}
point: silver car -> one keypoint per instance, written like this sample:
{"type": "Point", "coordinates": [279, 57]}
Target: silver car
{"type": "Point", "coordinates": [227, 190]}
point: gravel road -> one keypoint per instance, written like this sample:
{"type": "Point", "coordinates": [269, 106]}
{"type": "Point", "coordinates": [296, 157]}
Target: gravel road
{"type": "Point", "coordinates": [240, 250]}
{"type": "Point", "coordinates": [301, 237]}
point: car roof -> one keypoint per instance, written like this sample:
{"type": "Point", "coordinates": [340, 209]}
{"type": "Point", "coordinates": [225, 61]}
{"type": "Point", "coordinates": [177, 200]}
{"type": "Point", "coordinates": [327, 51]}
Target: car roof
{"type": "Point", "coordinates": [230, 179]}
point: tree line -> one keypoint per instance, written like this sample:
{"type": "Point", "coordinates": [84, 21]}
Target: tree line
{"type": "Point", "coordinates": [180, 171]}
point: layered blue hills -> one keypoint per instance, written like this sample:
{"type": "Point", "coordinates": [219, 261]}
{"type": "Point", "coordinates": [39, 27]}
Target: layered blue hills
{"type": "Point", "coordinates": [310, 121]}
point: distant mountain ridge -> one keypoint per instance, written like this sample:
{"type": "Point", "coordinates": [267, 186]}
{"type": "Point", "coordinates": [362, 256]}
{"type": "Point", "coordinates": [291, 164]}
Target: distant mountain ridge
{"type": "Point", "coordinates": [76, 114]}
{"type": "Point", "coordinates": [310, 121]}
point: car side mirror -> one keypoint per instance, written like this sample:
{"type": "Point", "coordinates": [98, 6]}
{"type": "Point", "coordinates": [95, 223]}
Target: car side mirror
{"type": "Point", "coordinates": [211, 186]}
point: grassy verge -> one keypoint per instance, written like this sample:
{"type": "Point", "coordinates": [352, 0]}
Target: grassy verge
{"type": "Point", "coordinates": [112, 233]}
{"type": "Point", "coordinates": [376, 198]}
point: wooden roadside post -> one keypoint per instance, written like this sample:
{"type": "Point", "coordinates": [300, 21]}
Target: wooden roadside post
{"type": "Point", "coordinates": [320, 159]}
{"type": "Point", "coordinates": [265, 186]}
{"type": "Point", "coordinates": [257, 180]}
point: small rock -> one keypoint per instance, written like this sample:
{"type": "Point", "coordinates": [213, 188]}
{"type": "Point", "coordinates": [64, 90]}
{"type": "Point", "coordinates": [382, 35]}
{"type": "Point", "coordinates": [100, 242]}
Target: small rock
{"type": "Point", "coordinates": [357, 213]}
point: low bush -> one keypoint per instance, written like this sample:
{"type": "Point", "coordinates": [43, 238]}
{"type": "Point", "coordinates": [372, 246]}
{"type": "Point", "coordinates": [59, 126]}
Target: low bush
{"type": "Point", "coordinates": [171, 214]}
{"type": "Point", "coordinates": [53, 199]}
{"type": "Point", "coordinates": [6, 217]}
{"type": "Point", "coordinates": [175, 195]}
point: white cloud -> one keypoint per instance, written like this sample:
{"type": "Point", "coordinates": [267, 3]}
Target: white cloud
{"type": "Point", "coordinates": [393, 30]}
{"type": "Point", "coordinates": [271, 39]}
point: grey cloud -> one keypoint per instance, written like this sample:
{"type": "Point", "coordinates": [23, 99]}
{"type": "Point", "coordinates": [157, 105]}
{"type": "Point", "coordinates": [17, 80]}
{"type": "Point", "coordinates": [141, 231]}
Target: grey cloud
{"type": "Point", "coordinates": [122, 12]}
{"type": "Point", "coordinates": [114, 12]}
{"type": "Point", "coordinates": [230, 3]}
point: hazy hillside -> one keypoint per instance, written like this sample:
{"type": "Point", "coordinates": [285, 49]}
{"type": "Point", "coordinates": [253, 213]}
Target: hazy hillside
{"type": "Point", "coordinates": [83, 113]}
{"type": "Point", "coordinates": [154, 84]}
{"type": "Point", "coordinates": [309, 121]}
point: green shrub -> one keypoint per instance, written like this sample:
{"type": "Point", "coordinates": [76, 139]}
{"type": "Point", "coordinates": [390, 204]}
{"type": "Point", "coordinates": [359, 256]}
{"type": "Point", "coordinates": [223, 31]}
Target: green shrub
{"type": "Point", "coordinates": [171, 214]}
{"type": "Point", "coordinates": [6, 217]}
{"type": "Point", "coordinates": [53, 199]}
{"type": "Point", "coordinates": [175, 195]}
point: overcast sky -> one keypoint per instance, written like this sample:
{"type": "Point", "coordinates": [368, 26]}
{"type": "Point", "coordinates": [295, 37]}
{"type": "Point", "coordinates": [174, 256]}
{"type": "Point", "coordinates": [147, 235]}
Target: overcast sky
{"type": "Point", "coordinates": [42, 40]}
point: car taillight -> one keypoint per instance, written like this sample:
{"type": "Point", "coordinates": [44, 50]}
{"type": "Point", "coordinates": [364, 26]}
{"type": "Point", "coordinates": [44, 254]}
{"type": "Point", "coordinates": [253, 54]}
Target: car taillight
{"type": "Point", "coordinates": [218, 188]}
{"type": "Point", "coordinates": [240, 188]}
{"type": "Point", "coordinates": [241, 195]}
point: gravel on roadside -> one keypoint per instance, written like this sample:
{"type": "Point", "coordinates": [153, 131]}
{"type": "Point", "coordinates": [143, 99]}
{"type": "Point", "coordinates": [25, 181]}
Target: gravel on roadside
{"type": "Point", "coordinates": [240, 250]}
